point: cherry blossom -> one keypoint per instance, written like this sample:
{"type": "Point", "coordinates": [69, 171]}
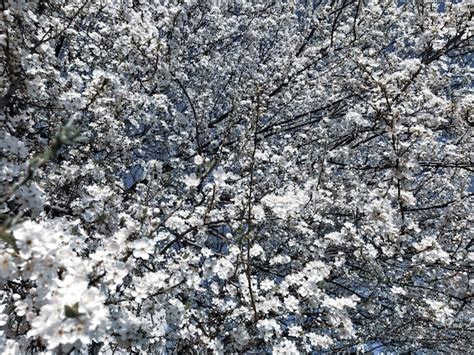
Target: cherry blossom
{"type": "Point", "coordinates": [235, 177]}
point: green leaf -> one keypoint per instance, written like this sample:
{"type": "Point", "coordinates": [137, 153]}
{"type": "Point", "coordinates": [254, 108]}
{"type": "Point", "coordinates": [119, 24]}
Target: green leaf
{"type": "Point", "coordinates": [72, 311]}
{"type": "Point", "coordinates": [8, 238]}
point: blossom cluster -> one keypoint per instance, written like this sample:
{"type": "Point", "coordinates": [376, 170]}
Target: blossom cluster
{"type": "Point", "coordinates": [242, 178]}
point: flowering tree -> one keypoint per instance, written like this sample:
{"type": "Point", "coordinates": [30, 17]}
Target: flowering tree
{"type": "Point", "coordinates": [271, 176]}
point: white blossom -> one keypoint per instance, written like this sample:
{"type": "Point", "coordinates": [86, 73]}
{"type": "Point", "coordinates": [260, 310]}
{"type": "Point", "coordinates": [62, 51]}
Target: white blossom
{"type": "Point", "coordinates": [292, 177]}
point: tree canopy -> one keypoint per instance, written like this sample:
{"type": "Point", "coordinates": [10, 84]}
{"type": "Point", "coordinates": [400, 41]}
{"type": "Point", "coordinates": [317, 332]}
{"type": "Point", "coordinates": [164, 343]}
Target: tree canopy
{"type": "Point", "coordinates": [233, 176]}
